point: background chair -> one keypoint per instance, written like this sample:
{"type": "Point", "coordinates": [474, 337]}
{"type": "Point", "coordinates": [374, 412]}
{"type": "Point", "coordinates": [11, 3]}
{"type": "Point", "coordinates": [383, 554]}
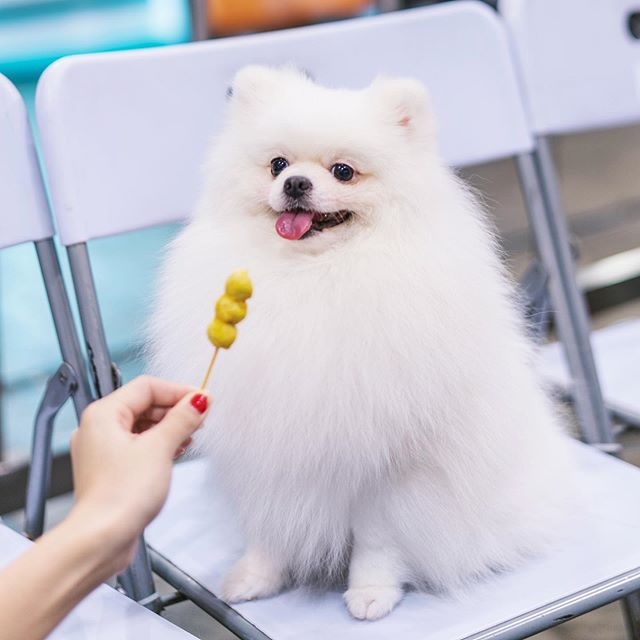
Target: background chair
{"type": "Point", "coordinates": [33, 33]}
{"type": "Point", "coordinates": [124, 136]}
{"type": "Point", "coordinates": [25, 218]}
{"type": "Point", "coordinates": [578, 67]}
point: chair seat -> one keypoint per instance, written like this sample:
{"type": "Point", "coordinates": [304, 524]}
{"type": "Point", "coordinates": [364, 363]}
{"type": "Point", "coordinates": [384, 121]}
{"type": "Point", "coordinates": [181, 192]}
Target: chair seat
{"type": "Point", "coordinates": [616, 350]}
{"type": "Point", "coordinates": [103, 615]}
{"type": "Point", "coordinates": [196, 532]}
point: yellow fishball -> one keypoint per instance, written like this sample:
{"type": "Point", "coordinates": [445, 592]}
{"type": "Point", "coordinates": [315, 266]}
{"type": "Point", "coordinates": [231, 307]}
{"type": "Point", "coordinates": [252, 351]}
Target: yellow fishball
{"type": "Point", "coordinates": [239, 286]}
{"type": "Point", "coordinates": [230, 310]}
{"type": "Point", "coordinates": [221, 333]}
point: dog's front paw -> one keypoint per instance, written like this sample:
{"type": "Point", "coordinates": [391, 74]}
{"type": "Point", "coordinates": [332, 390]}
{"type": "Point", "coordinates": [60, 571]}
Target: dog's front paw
{"type": "Point", "coordinates": [251, 578]}
{"type": "Point", "coordinates": [372, 603]}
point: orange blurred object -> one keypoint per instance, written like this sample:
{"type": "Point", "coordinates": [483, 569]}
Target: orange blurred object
{"type": "Point", "coordinates": [226, 17]}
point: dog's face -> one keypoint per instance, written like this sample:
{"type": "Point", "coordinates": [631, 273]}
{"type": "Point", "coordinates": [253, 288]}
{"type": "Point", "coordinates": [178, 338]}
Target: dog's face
{"type": "Point", "coordinates": [317, 164]}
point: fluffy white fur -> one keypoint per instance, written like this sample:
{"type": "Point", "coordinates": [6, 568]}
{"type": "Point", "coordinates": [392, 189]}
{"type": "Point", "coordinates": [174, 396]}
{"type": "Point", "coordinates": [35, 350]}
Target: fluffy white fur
{"type": "Point", "coordinates": [379, 408]}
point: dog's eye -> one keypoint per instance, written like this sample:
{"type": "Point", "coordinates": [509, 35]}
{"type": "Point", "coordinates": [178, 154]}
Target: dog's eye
{"type": "Point", "coordinates": [278, 165]}
{"type": "Point", "coordinates": [342, 172]}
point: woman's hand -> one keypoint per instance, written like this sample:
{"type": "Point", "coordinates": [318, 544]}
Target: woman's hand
{"type": "Point", "coordinates": [122, 456]}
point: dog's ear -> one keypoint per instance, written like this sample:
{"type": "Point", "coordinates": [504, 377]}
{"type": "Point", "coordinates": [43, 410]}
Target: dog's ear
{"type": "Point", "coordinates": [405, 104]}
{"type": "Point", "coordinates": [254, 84]}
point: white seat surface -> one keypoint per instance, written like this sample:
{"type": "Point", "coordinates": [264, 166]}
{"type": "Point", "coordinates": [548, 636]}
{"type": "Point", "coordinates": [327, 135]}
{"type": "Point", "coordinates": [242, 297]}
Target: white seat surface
{"type": "Point", "coordinates": [103, 615]}
{"type": "Point", "coordinates": [196, 531]}
{"type": "Point", "coordinates": [124, 134]}
{"type": "Point", "coordinates": [616, 350]}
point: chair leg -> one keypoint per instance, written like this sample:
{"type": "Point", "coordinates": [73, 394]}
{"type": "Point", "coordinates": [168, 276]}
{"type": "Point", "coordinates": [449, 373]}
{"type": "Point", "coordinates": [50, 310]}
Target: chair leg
{"type": "Point", "coordinates": [60, 387]}
{"type": "Point", "coordinates": [538, 310]}
{"type": "Point", "coordinates": [552, 243]}
{"type": "Point", "coordinates": [631, 610]}
{"type": "Point", "coordinates": [137, 579]}
{"type": "Point", "coordinates": [203, 598]}
{"type": "Point", "coordinates": [63, 320]}
{"type": "Point", "coordinates": [199, 26]}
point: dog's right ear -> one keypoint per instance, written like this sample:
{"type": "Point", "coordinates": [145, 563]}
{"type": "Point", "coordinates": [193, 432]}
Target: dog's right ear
{"type": "Point", "coordinates": [253, 85]}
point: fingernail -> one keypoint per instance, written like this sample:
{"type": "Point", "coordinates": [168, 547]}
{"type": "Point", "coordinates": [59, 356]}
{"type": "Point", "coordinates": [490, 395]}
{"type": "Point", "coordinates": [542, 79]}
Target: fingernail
{"type": "Point", "coordinates": [200, 402]}
{"type": "Point", "coordinates": [179, 453]}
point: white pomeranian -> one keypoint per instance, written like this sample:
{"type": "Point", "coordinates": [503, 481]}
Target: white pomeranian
{"type": "Point", "coordinates": [379, 410]}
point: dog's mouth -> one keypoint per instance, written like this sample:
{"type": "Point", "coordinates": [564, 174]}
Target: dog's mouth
{"type": "Point", "coordinates": [300, 223]}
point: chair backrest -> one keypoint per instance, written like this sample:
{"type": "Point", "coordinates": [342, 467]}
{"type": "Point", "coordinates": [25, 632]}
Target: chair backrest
{"type": "Point", "coordinates": [579, 61]}
{"type": "Point", "coordinates": [25, 215]}
{"type": "Point", "coordinates": [124, 134]}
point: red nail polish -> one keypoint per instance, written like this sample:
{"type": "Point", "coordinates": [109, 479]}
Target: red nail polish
{"type": "Point", "coordinates": [200, 402]}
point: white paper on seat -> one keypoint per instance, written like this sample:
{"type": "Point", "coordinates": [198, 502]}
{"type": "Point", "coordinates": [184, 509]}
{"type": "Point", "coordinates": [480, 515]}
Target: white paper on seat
{"type": "Point", "coordinates": [616, 350]}
{"type": "Point", "coordinates": [196, 531]}
{"type": "Point", "coordinates": [103, 615]}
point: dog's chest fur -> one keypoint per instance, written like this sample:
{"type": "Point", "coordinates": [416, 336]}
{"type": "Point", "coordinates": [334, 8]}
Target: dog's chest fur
{"type": "Point", "coordinates": [355, 371]}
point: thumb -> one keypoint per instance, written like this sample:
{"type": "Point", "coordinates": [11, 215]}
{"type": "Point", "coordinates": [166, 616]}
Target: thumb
{"type": "Point", "coordinates": [182, 419]}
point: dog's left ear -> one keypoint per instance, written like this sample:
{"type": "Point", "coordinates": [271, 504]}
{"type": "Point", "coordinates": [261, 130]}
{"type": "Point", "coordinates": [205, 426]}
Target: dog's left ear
{"type": "Point", "coordinates": [254, 85]}
{"type": "Point", "coordinates": [405, 104]}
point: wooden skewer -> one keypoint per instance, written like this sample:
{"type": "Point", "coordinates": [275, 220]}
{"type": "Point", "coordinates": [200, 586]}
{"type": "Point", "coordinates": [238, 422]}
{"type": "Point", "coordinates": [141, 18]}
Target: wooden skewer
{"type": "Point", "coordinates": [208, 374]}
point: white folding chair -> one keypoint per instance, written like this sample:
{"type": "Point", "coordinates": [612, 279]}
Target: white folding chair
{"type": "Point", "coordinates": [23, 193]}
{"type": "Point", "coordinates": [124, 136]}
{"type": "Point", "coordinates": [580, 69]}
{"type": "Point", "coordinates": [25, 218]}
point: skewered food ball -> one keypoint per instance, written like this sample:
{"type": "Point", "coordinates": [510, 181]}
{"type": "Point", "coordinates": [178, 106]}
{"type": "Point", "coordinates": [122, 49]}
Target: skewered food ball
{"type": "Point", "coordinates": [222, 334]}
{"type": "Point", "coordinates": [230, 310]}
{"type": "Point", "coordinates": [239, 286]}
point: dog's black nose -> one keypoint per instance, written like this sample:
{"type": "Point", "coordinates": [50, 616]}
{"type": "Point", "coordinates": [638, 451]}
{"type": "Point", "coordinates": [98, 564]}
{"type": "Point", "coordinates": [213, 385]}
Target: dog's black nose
{"type": "Point", "coordinates": [297, 186]}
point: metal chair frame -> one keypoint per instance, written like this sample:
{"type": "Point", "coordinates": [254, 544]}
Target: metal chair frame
{"type": "Point", "coordinates": [557, 108]}
{"type": "Point", "coordinates": [568, 303]}
{"type": "Point", "coordinates": [24, 196]}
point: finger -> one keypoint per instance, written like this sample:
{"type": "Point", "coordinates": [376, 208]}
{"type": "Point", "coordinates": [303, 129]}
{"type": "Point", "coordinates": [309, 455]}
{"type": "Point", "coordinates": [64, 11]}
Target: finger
{"type": "Point", "coordinates": [143, 425]}
{"type": "Point", "coordinates": [182, 448]}
{"type": "Point", "coordinates": [181, 421]}
{"type": "Point", "coordinates": [155, 414]}
{"type": "Point", "coordinates": [149, 419]}
{"type": "Point", "coordinates": [145, 392]}
{"type": "Point", "coordinates": [73, 442]}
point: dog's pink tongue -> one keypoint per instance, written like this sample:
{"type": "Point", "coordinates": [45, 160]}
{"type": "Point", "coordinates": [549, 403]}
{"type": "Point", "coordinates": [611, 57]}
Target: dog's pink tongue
{"type": "Point", "coordinates": [292, 225]}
